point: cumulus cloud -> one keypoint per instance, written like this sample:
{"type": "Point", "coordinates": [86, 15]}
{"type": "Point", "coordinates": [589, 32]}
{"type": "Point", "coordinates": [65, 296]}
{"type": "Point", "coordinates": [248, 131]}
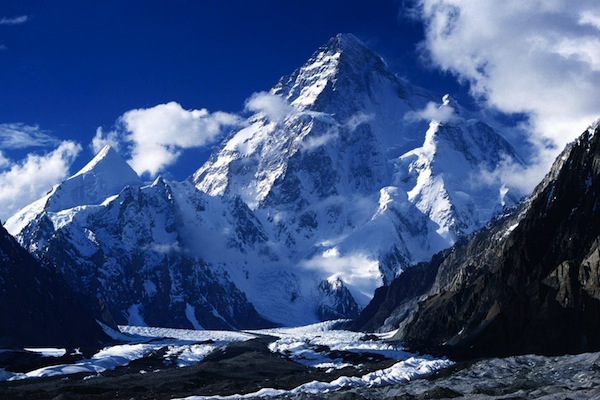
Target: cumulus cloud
{"type": "Point", "coordinates": [273, 106]}
{"type": "Point", "coordinates": [101, 139]}
{"type": "Point", "coordinates": [541, 58]}
{"type": "Point", "coordinates": [24, 182]}
{"type": "Point", "coordinates": [156, 136]}
{"type": "Point", "coordinates": [22, 136]}
{"type": "Point", "coordinates": [14, 21]}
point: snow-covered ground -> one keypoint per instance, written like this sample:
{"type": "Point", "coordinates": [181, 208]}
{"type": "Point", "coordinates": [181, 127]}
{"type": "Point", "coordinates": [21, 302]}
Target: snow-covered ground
{"type": "Point", "coordinates": [318, 346]}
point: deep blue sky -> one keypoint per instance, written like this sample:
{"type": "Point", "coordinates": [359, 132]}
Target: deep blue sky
{"type": "Point", "coordinates": [77, 65]}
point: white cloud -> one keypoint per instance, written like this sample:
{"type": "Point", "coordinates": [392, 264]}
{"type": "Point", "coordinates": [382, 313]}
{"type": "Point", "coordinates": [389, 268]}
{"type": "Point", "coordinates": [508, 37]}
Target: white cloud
{"type": "Point", "coordinates": [359, 272]}
{"type": "Point", "coordinates": [102, 139]}
{"type": "Point", "coordinates": [358, 119]}
{"type": "Point", "coordinates": [14, 21]}
{"type": "Point", "coordinates": [26, 181]}
{"type": "Point", "coordinates": [156, 136]}
{"type": "Point", "coordinates": [539, 57]}
{"type": "Point", "coordinates": [22, 136]}
{"type": "Point", "coordinates": [4, 162]}
{"type": "Point", "coordinates": [273, 106]}
{"type": "Point", "coordinates": [433, 112]}
{"type": "Point", "coordinates": [314, 142]}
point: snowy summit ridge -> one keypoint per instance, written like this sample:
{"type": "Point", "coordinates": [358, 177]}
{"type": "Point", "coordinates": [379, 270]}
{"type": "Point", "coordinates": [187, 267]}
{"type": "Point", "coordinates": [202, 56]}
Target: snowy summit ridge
{"type": "Point", "coordinates": [327, 191]}
{"type": "Point", "coordinates": [104, 176]}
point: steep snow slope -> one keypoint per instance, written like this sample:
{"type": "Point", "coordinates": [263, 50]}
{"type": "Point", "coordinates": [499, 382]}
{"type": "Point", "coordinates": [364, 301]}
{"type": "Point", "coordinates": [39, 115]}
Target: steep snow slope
{"type": "Point", "coordinates": [445, 178]}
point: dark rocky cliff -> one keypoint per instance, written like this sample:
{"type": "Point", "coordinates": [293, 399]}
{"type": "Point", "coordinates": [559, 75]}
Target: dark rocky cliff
{"type": "Point", "coordinates": [529, 283]}
{"type": "Point", "coordinates": [37, 308]}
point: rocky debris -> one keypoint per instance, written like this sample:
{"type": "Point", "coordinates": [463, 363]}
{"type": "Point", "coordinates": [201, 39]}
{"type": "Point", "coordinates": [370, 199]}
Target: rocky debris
{"type": "Point", "coordinates": [238, 367]}
{"type": "Point", "coordinates": [520, 377]}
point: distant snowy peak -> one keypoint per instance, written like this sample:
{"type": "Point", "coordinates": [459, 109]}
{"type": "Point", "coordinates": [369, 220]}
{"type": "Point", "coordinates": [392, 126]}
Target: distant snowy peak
{"type": "Point", "coordinates": [105, 175]}
{"type": "Point", "coordinates": [445, 178]}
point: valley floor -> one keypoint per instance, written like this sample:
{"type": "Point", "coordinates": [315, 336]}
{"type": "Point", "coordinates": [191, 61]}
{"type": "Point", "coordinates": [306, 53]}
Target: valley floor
{"type": "Point", "coordinates": [313, 362]}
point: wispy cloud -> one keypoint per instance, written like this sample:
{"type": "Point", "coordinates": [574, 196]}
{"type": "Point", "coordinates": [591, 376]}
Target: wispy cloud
{"type": "Point", "coordinates": [433, 112]}
{"type": "Point", "coordinates": [157, 136]}
{"type": "Point", "coordinates": [22, 136]}
{"type": "Point", "coordinates": [27, 180]}
{"type": "Point", "coordinates": [276, 108]}
{"type": "Point", "coordinates": [14, 20]}
{"type": "Point", "coordinates": [541, 58]}
{"type": "Point", "coordinates": [314, 142]}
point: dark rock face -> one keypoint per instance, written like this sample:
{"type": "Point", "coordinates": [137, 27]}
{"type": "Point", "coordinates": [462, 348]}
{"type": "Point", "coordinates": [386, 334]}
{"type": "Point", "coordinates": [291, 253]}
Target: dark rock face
{"type": "Point", "coordinates": [37, 307]}
{"type": "Point", "coordinates": [339, 302]}
{"type": "Point", "coordinates": [392, 303]}
{"type": "Point", "coordinates": [529, 283]}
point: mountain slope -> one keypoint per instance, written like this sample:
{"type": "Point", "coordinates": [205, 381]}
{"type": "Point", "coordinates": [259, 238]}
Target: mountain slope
{"type": "Point", "coordinates": [129, 251]}
{"type": "Point", "coordinates": [38, 308]}
{"type": "Point", "coordinates": [530, 282]}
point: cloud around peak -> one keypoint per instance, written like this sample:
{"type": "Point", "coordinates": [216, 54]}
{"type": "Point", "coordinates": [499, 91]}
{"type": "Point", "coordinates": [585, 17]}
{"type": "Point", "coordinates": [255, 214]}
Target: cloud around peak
{"type": "Point", "coordinates": [276, 108]}
{"type": "Point", "coordinates": [541, 58]}
{"type": "Point", "coordinates": [24, 181]}
{"type": "Point", "coordinates": [156, 137]}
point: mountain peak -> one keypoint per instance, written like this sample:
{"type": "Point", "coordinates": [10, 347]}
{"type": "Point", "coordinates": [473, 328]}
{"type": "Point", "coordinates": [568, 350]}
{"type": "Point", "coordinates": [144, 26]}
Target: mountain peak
{"type": "Point", "coordinates": [344, 65]}
{"type": "Point", "coordinates": [106, 158]}
{"type": "Point", "coordinates": [345, 41]}
{"type": "Point", "coordinates": [105, 175]}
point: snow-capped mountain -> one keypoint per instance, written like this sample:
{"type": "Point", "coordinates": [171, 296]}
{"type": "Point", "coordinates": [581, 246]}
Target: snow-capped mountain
{"type": "Point", "coordinates": [105, 175]}
{"type": "Point", "coordinates": [327, 191]}
{"type": "Point", "coordinates": [133, 249]}
{"type": "Point", "coordinates": [353, 185]}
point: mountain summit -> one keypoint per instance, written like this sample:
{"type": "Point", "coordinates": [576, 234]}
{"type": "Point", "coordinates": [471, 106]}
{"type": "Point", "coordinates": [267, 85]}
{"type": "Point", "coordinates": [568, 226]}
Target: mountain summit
{"type": "Point", "coordinates": [105, 175]}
